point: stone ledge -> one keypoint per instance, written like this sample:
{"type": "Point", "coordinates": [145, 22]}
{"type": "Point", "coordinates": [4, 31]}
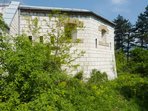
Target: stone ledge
{"type": "Point", "coordinates": [103, 43]}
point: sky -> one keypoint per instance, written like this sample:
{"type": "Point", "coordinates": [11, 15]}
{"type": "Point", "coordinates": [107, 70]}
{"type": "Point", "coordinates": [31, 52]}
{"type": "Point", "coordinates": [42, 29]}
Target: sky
{"type": "Point", "coordinates": [109, 9]}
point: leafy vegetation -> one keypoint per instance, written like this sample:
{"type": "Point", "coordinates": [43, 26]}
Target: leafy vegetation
{"type": "Point", "coordinates": [139, 62]}
{"type": "Point", "coordinates": [142, 29]}
{"type": "Point", "coordinates": [31, 79]}
{"type": "Point", "coordinates": [128, 36]}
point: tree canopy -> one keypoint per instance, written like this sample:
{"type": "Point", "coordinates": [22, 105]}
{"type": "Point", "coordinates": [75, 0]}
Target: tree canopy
{"type": "Point", "coordinates": [141, 32]}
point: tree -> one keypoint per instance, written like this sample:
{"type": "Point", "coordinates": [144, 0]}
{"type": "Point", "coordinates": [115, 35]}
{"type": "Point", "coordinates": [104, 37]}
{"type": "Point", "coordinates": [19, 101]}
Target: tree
{"type": "Point", "coordinates": [30, 68]}
{"type": "Point", "coordinates": [141, 33]}
{"type": "Point", "coordinates": [59, 39]}
{"type": "Point", "coordinates": [123, 35]}
{"type": "Point", "coordinates": [121, 62]}
{"type": "Point", "coordinates": [30, 80]}
{"type": "Point", "coordinates": [139, 61]}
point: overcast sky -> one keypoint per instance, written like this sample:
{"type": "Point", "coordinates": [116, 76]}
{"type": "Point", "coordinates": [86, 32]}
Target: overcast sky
{"type": "Point", "coordinates": [109, 9]}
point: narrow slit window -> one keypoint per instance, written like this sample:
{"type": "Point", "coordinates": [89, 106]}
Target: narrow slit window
{"type": "Point", "coordinates": [96, 43]}
{"type": "Point", "coordinates": [41, 39]}
{"type": "Point", "coordinates": [30, 38]}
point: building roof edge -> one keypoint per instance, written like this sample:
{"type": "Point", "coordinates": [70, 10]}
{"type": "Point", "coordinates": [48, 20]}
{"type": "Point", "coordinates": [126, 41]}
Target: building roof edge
{"type": "Point", "coordinates": [27, 7]}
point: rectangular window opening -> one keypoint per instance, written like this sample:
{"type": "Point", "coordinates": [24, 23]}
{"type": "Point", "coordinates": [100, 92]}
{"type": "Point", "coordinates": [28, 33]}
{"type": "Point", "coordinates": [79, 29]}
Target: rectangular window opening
{"type": "Point", "coordinates": [41, 39]}
{"type": "Point", "coordinates": [96, 43]}
{"type": "Point", "coordinates": [30, 38]}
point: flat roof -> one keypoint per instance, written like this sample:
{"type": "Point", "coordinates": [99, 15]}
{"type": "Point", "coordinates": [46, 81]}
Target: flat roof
{"type": "Point", "coordinates": [84, 11]}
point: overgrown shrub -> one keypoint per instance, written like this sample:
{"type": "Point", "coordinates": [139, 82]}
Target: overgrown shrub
{"type": "Point", "coordinates": [97, 77]}
{"type": "Point", "coordinates": [79, 75]}
{"type": "Point", "coordinates": [121, 62]}
{"type": "Point", "coordinates": [133, 88]}
{"type": "Point", "coordinates": [139, 61]}
{"type": "Point", "coordinates": [31, 80]}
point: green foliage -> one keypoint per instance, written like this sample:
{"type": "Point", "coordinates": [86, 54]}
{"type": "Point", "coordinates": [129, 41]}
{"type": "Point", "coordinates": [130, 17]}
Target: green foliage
{"type": "Point", "coordinates": [134, 89]}
{"type": "Point", "coordinates": [139, 61]}
{"type": "Point", "coordinates": [128, 36]}
{"type": "Point", "coordinates": [123, 36]}
{"type": "Point", "coordinates": [30, 81]}
{"type": "Point", "coordinates": [59, 39]}
{"type": "Point", "coordinates": [97, 77]}
{"type": "Point", "coordinates": [121, 62]}
{"type": "Point", "coordinates": [141, 33]}
{"type": "Point", "coordinates": [79, 75]}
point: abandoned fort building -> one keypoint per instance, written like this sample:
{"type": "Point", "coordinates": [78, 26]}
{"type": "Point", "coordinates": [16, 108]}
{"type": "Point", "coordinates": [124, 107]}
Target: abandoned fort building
{"type": "Point", "coordinates": [97, 36]}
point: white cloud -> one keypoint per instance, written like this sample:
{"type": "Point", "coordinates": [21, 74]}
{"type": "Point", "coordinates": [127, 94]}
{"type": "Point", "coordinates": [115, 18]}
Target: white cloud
{"type": "Point", "coordinates": [120, 10]}
{"type": "Point", "coordinates": [118, 1]}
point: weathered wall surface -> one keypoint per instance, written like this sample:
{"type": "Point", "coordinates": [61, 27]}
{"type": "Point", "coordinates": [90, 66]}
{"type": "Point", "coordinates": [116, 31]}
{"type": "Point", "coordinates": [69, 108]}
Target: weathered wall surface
{"type": "Point", "coordinates": [99, 52]}
{"type": "Point", "coordinates": [14, 27]}
{"type": "Point", "coordinates": [99, 57]}
{"type": "Point", "coordinates": [1, 9]}
{"type": "Point", "coordinates": [10, 16]}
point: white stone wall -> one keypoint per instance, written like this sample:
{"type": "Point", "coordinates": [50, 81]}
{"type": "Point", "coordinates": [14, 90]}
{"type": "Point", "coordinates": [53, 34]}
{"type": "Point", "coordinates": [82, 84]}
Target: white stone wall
{"type": "Point", "coordinates": [10, 15]}
{"type": "Point", "coordinates": [1, 9]}
{"type": "Point", "coordinates": [14, 26]}
{"type": "Point", "coordinates": [100, 57]}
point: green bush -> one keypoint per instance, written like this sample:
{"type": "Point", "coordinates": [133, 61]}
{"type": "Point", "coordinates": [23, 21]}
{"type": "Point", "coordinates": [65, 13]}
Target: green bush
{"type": "Point", "coordinates": [97, 77]}
{"type": "Point", "coordinates": [139, 61]}
{"type": "Point", "coordinates": [31, 81]}
{"type": "Point", "coordinates": [134, 89]}
{"type": "Point", "coordinates": [79, 75]}
{"type": "Point", "coordinates": [121, 62]}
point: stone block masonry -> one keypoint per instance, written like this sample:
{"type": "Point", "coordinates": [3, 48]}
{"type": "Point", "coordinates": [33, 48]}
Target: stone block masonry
{"type": "Point", "coordinates": [97, 36]}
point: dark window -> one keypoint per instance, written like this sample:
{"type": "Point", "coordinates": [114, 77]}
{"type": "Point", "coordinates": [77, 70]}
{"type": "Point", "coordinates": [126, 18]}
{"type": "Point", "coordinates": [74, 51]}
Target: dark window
{"type": "Point", "coordinates": [96, 43]}
{"type": "Point", "coordinates": [41, 39]}
{"type": "Point", "coordinates": [103, 33]}
{"type": "Point", "coordinates": [0, 32]}
{"type": "Point", "coordinates": [30, 38]}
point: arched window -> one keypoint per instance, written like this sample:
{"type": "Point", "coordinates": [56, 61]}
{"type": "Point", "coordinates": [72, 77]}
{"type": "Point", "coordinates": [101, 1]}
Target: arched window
{"type": "Point", "coordinates": [103, 33]}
